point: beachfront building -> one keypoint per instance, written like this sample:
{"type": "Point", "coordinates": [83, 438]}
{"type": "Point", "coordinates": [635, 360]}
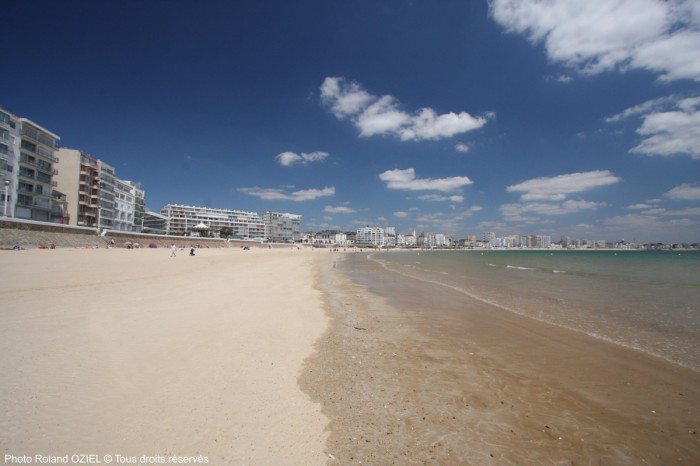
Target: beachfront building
{"type": "Point", "coordinates": [538, 241]}
{"type": "Point", "coordinates": [124, 206]}
{"type": "Point", "coordinates": [183, 219]}
{"type": "Point", "coordinates": [9, 160]}
{"type": "Point", "coordinates": [139, 204]}
{"type": "Point", "coordinates": [330, 238]}
{"type": "Point", "coordinates": [282, 227]}
{"type": "Point", "coordinates": [370, 236]}
{"type": "Point", "coordinates": [153, 222]}
{"type": "Point", "coordinates": [27, 158]}
{"type": "Point", "coordinates": [105, 218]}
{"type": "Point", "coordinates": [78, 179]}
{"type": "Point", "coordinates": [95, 196]}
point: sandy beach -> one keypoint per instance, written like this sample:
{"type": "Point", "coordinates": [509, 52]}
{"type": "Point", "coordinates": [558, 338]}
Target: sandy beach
{"type": "Point", "coordinates": [132, 353]}
{"type": "Point", "coordinates": [276, 357]}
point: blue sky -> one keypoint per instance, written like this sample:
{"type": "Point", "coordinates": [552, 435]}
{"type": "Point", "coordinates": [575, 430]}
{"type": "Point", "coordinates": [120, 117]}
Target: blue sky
{"type": "Point", "coordinates": [518, 117]}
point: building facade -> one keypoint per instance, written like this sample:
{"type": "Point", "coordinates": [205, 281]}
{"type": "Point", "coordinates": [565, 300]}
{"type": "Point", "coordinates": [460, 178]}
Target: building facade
{"type": "Point", "coordinates": [370, 236]}
{"type": "Point", "coordinates": [183, 219]}
{"type": "Point", "coordinates": [31, 182]}
{"type": "Point", "coordinates": [9, 161]}
{"type": "Point", "coordinates": [282, 227]}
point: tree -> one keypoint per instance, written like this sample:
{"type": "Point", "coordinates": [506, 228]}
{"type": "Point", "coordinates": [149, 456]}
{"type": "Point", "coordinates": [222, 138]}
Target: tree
{"type": "Point", "coordinates": [225, 232]}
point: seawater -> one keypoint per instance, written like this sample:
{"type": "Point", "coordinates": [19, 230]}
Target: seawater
{"type": "Point", "coordinates": [646, 300]}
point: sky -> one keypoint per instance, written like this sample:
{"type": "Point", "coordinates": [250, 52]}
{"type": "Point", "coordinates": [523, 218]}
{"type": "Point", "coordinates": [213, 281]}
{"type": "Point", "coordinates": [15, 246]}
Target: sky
{"type": "Point", "coordinates": [458, 117]}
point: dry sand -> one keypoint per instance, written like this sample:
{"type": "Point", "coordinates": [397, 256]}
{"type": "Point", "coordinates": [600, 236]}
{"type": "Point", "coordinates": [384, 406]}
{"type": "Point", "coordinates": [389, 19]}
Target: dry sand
{"type": "Point", "coordinates": [132, 352]}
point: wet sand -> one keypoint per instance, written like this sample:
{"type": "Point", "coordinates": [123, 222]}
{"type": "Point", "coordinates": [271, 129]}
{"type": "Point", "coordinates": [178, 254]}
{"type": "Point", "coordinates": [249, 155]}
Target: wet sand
{"type": "Point", "coordinates": [425, 375]}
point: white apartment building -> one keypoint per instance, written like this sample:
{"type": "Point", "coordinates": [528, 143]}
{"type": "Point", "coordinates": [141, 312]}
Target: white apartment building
{"type": "Point", "coordinates": [27, 158]}
{"type": "Point", "coordinates": [282, 227]}
{"type": "Point", "coordinates": [9, 160]}
{"type": "Point", "coordinates": [183, 219]}
{"type": "Point", "coordinates": [370, 236]}
{"type": "Point", "coordinates": [124, 206]}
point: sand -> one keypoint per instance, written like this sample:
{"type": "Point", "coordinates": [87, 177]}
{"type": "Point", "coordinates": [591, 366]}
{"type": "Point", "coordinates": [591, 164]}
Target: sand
{"type": "Point", "coordinates": [276, 357]}
{"type": "Point", "coordinates": [132, 353]}
{"type": "Point", "coordinates": [415, 380]}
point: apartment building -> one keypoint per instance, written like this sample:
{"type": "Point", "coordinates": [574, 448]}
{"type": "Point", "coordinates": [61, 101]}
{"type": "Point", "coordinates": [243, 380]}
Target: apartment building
{"type": "Point", "coordinates": [373, 236]}
{"type": "Point", "coordinates": [78, 179]}
{"type": "Point", "coordinates": [282, 227]}
{"type": "Point", "coordinates": [183, 219]}
{"type": "Point", "coordinates": [9, 158]}
{"type": "Point", "coordinates": [94, 196]}
{"type": "Point", "coordinates": [27, 158]}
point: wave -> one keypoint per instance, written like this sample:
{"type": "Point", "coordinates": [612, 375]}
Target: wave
{"type": "Point", "coordinates": [519, 267]}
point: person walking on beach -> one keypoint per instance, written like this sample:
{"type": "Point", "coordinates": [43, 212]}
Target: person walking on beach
{"type": "Point", "coordinates": [173, 249]}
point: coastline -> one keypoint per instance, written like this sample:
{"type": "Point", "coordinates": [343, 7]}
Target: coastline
{"type": "Point", "coordinates": [404, 385]}
{"type": "Point", "coordinates": [132, 352]}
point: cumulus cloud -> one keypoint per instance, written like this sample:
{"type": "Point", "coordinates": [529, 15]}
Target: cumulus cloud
{"type": "Point", "coordinates": [401, 214]}
{"type": "Point", "coordinates": [558, 187]}
{"type": "Point", "coordinates": [338, 210]}
{"type": "Point", "coordinates": [278, 194]}
{"type": "Point", "coordinates": [287, 159]}
{"type": "Point", "coordinates": [382, 115]}
{"type": "Point", "coordinates": [672, 132]}
{"type": "Point", "coordinates": [670, 125]}
{"type": "Point", "coordinates": [685, 192]}
{"type": "Point", "coordinates": [601, 35]}
{"type": "Point", "coordinates": [548, 195]}
{"type": "Point", "coordinates": [406, 179]}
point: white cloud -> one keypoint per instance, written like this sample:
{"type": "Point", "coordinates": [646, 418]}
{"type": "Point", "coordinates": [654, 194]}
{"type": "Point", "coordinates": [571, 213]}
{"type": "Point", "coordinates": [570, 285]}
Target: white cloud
{"type": "Point", "coordinates": [669, 133]}
{"type": "Point", "coordinates": [670, 125]}
{"type": "Point", "coordinates": [593, 36]}
{"type": "Point", "coordinates": [515, 211]}
{"type": "Point", "coordinates": [287, 159]}
{"type": "Point", "coordinates": [438, 197]}
{"type": "Point", "coordinates": [375, 115]}
{"type": "Point", "coordinates": [344, 98]}
{"type": "Point", "coordinates": [558, 187]}
{"type": "Point", "coordinates": [684, 192]}
{"type": "Point", "coordinates": [401, 214]}
{"type": "Point", "coordinates": [406, 179]}
{"type": "Point", "coordinates": [339, 210]}
{"type": "Point", "coordinates": [278, 194]}
{"type": "Point", "coordinates": [461, 147]}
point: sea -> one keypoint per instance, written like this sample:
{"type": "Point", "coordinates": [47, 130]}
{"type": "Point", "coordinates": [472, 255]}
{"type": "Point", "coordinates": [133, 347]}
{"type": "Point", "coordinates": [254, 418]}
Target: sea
{"type": "Point", "coordinates": [645, 300]}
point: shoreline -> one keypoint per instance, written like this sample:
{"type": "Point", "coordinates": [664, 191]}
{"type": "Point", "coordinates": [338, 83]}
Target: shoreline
{"type": "Point", "coordinates": [402, 385]}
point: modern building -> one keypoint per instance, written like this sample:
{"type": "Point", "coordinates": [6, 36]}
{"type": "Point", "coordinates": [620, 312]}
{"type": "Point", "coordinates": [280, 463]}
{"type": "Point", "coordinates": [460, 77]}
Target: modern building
{"type": "Point", "coordinates": [95, 196]}
{"type": "Point", "coordinates": [153, 222]}
{"type": "Point", "coordinates": [282, 227]}
{"type": "Point", "coordinates": [139, 204]}
{"type": "Point", "coordinates": [370, 236]}
{"type": "Point", "coordinates": [78, 179]}
{"type": "Point", "coordinates": [124, 206]}
{"type": "Point", "coordinates": [107, 209]}
{"type": "Point", "coordinates": [183, 219]}
{"type": "Point", "coordinates": [9, 160]}
{"type": "Point", "coordinates": [29, 170]}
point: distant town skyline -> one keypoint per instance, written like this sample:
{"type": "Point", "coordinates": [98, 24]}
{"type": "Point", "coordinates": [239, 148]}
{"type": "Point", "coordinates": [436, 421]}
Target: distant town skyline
{"type": "Point", "coordinates": [454, 117]}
